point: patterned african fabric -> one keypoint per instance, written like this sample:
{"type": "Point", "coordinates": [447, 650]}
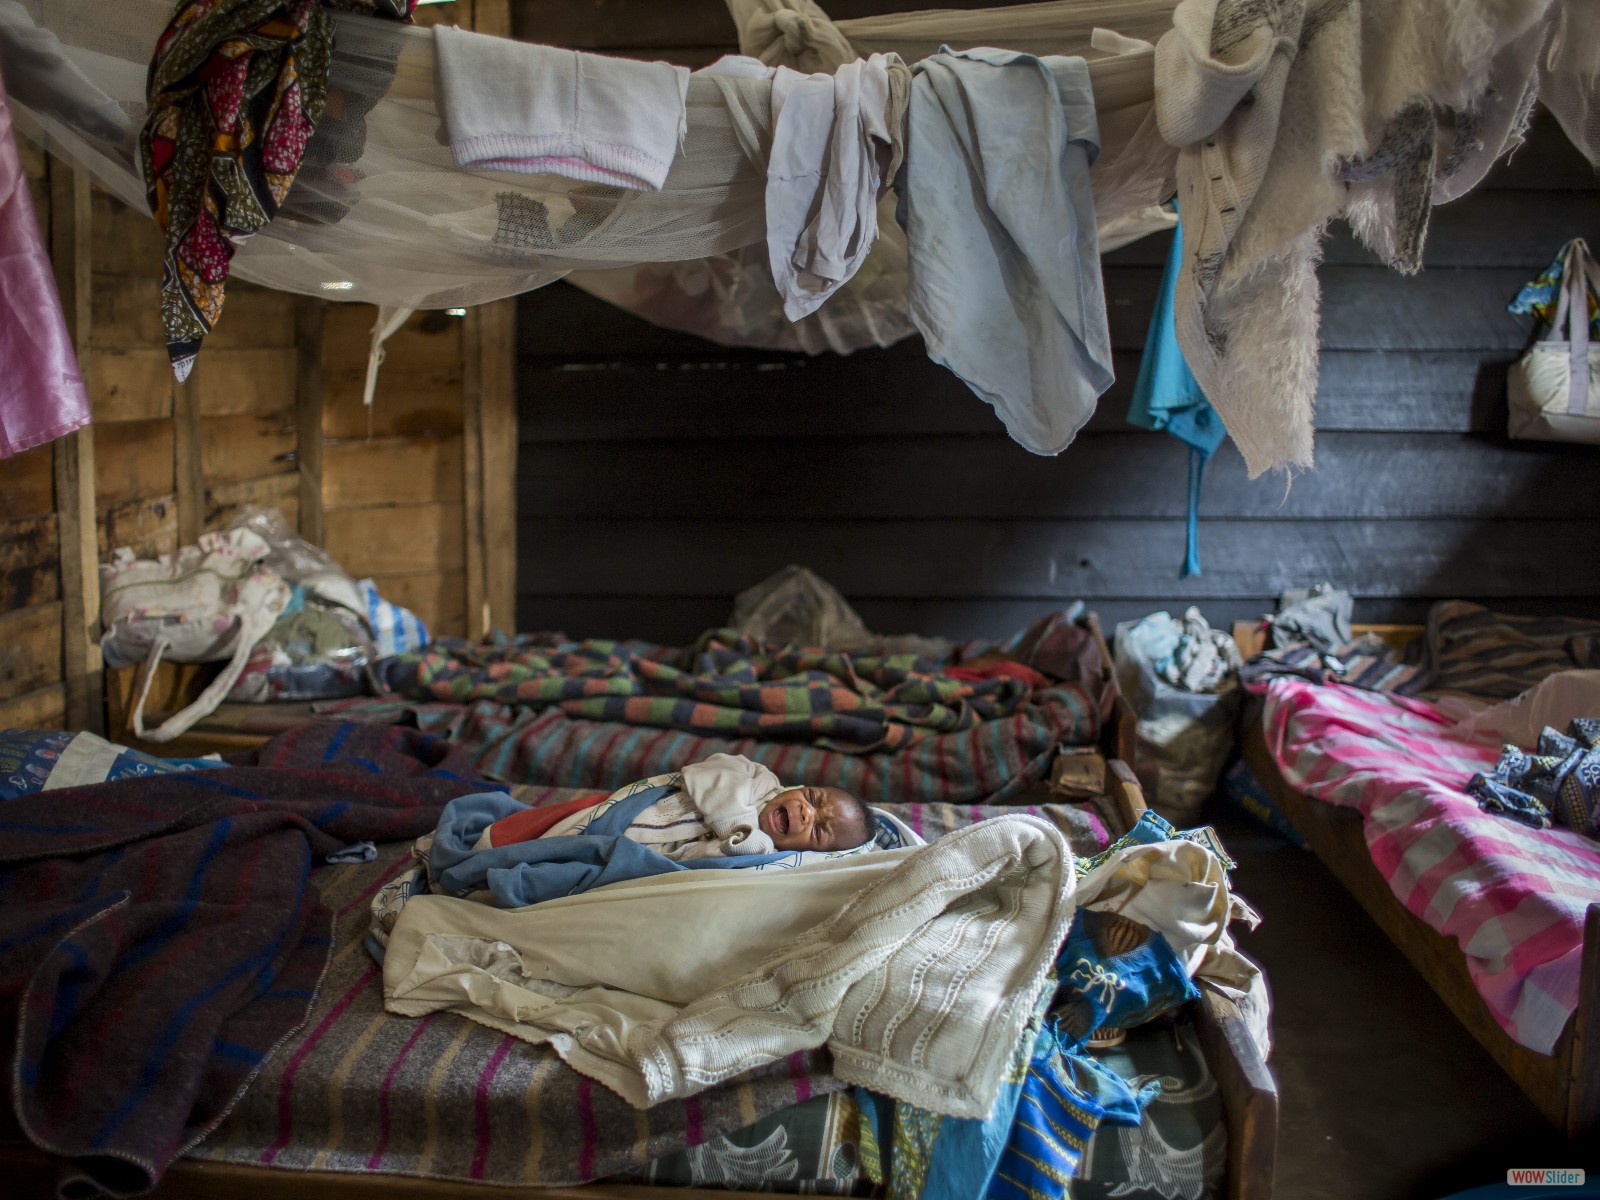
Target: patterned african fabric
{"type": "Point", "coordinates": [235, 89]}
{"type": "Point", "coordinates": [1559, 780]}
{"type": "Point", "coordinates": [1050, 1133]}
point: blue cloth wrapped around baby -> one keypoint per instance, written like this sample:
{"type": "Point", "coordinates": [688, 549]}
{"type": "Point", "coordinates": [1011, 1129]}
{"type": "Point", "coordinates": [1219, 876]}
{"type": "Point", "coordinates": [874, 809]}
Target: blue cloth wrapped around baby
{"type": "Point", "coordinates": [567, 865]}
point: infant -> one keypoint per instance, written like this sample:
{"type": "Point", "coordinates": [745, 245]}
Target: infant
{"type": "Point", "coordinates": [726, 805]}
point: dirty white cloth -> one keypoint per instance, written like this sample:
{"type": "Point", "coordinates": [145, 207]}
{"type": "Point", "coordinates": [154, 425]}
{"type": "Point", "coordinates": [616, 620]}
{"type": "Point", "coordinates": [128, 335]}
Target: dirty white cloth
{"type": "Point", "coordinates": [917, 968]}
{"type": "Point", "coordinates": [1005, 268]}
{"type": "Point", "coordinates": [1289, 114]}
{"type": "Point", "coordinates": [516, 106]}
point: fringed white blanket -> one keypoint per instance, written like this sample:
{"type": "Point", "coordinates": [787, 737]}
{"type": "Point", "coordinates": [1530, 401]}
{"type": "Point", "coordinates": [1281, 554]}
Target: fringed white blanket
{"type": "Point", "coordinates": [917, 968]}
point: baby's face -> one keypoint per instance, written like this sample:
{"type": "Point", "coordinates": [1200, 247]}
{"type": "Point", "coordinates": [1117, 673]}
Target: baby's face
{"type": "Point", "coordinates": [813, 818]}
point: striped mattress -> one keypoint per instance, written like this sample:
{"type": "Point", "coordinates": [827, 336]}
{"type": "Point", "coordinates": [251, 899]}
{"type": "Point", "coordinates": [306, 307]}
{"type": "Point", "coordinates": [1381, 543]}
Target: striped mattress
{"type": "Point", "coordinates": [1514, 898]}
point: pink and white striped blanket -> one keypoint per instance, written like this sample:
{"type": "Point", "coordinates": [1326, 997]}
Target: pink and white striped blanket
{"type": "Point", "coordinates": [1514, 898]}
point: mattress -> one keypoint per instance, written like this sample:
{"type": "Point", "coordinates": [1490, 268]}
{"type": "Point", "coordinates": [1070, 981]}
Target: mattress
{"type": "Point", "coordinates": [1513, 897]}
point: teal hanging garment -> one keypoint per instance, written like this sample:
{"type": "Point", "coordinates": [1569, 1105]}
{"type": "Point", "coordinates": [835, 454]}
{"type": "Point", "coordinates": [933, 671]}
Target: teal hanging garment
{"type": "Point", "coordinates": [1167, 396]}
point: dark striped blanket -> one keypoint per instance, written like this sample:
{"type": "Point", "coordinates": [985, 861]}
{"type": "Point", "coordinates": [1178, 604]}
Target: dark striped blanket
{"type": "Point", "coordinates": [159, 936]}
{"type": "Point", "coordinates": [986, 762]}
{"type": "Point", "coordinates": [725, 685]}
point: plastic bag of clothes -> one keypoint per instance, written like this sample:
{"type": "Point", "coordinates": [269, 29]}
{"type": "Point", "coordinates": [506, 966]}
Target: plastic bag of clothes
{"type": "Point", "coordinates": [798, 605]}
{"type": "Point", "coordinates": [333, 628]}
{"type": "Point", "coordinates": [1182, 678]}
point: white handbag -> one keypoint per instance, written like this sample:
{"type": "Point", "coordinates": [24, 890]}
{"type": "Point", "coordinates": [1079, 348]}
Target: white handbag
{"type": "Point", "coordinates": [1554, 389]}
{"type": "Point", "coordinates": [208, 602]}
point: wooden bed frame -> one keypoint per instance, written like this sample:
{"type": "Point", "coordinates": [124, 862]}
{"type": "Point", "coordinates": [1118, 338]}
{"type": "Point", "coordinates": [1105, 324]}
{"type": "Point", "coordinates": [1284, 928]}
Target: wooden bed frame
{"type": "Point", "coordinates": [1249, 1102]}
{"type": "Point", "coordinates": [1565, 1085]}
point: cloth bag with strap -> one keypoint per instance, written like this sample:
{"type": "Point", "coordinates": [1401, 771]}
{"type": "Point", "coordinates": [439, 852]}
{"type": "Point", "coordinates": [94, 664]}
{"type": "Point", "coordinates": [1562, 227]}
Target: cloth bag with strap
{"type": "Point", "coordinates": [209, 602]}
{"type": "Point", "coordinates": [1554, 388]}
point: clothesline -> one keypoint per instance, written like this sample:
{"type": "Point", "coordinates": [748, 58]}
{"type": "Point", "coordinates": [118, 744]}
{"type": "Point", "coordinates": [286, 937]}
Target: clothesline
{"type": "Point", "coordinates": [1267, 121]}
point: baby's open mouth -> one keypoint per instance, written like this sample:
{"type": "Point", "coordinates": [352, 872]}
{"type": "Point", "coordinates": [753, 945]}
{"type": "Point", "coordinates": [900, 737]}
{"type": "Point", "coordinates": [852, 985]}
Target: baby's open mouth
{"type": "Point", "coordinates": [780, 819]}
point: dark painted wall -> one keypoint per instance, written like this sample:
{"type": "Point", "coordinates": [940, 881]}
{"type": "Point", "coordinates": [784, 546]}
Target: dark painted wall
{"type": "Point", "coordinates": [660, 474]}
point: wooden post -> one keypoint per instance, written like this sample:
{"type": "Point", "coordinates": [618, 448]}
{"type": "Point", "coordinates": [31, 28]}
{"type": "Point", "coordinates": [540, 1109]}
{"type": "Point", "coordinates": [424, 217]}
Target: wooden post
{"type": "Point", "coordinates": [489, 442]}
{"type": "Point", "coordinates": [497, 415]}
{"type": "Point", "coordinates": [188, 477]}
{"type": "Point", "coordinates": [472, 508]}
{"type": "Point", "coordinates": [310, 390]}
{"type": "Point", "coordinates": [71, 211]}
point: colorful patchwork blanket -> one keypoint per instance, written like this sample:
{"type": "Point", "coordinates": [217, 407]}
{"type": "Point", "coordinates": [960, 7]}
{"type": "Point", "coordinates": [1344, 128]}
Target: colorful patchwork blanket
{"type": "Point", "coordinates": [159, 936]}
{"type": "Point", "coordinates": [724, 685]}
{"type": "Point", "coordinates": [1513, 897]}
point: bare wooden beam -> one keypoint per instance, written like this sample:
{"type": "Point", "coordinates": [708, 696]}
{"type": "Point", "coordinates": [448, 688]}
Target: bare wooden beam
{"type": "Point", "coordinates": [310, 389]}
{"type": "Point", "coordinates": [472, 459]}
{"type": "Point", "coordinates": [70, 238]}
{"type": "Point", "coordinates": [188, 479]}
{"type": "Point", "coordinates": [497, 415]}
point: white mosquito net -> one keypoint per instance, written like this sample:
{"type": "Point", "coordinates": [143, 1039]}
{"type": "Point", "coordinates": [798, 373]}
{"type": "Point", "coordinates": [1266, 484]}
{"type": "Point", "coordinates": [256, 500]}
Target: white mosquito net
{"type": "Point", "coordinates": [380, 213]}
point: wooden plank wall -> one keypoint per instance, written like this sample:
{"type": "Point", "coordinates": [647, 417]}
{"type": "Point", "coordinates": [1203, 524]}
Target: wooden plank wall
{"type": "Point", "coordinates": [32, 692]}
{"type": "Point", "coordinates": [660, 474]}
{"type": "Point", "coordinates": [271, 416]}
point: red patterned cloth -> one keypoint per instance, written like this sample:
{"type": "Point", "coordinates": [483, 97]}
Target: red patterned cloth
{"type": "Point", "coordinates": [235, 89]}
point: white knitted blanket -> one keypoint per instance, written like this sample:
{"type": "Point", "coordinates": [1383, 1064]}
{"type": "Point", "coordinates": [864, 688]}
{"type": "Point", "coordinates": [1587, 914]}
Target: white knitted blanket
{"type": "Point", "coordinates": [918, 968]}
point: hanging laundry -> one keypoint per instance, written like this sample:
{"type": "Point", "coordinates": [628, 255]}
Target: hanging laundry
{"type": "Point", "coordinates": [1167, 396]}
{"type": "Point", "coordinates": [538, 110]}
{"type": "Point", "coordinates": [835, 142]}
{"type": "Point", "coordinates": [1005, 273]}
{"type": "Point", "coordinates": [234, 91]}
{"type": "Point", "coordinates": [42, 394]}
{"type": "Point", "coordinates": [1288, 115]}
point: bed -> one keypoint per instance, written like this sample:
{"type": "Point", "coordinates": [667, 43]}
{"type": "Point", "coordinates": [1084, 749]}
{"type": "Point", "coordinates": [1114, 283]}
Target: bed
{"type": "Point", "coordinates": [517, 742]}
{"type": "Point", "coordinates": [338, 1097]}
{"type": "Point", "coordinates": [1502, 920]}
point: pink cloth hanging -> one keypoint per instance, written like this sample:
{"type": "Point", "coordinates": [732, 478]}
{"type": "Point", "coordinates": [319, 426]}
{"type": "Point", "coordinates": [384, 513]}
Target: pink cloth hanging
{"type": "Point", "coordinates": [41, 389]}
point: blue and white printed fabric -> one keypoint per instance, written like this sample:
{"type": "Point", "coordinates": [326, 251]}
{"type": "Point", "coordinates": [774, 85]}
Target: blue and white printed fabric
{"type": "Point", "coordinates": [395, 630]}
{"type": "Point", "coordinates": [33, 760]}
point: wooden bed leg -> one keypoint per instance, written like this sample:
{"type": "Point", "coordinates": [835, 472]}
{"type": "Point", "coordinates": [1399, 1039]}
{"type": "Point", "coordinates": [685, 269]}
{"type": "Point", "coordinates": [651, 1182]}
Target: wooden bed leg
{"type": "Point", "coordinates": [1123, 789]}
{"type": "Point", "coordinates": [1249, 1095]}
{"type": "Point", "coordinates": [1583, 1081]}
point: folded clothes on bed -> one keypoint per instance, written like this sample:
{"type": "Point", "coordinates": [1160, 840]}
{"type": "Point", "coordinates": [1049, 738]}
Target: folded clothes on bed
{"type": "Point", "coordinates": [724, 684]}
{"type": "Point", "coordinates": [1559, 780]}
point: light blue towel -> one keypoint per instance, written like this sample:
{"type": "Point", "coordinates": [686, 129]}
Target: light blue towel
{"type": "Point", "coordinates": [1005, 260]}
{"type": "Point", "coordinates": [1167, 396]}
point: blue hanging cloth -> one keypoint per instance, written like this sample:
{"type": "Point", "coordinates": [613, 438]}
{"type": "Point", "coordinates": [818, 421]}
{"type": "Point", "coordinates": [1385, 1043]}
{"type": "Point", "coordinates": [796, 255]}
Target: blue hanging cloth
{"type": "Point", "coordinates": [1167, 396]}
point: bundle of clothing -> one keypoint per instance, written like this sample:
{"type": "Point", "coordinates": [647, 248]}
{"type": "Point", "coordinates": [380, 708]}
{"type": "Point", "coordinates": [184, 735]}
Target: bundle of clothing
{"type": "Point", "coordinates": [235, 89]}
{"type": "Point", "coordinates": [1558, 782]}
{"type": "Point", "coordinates": [1465, 648]}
